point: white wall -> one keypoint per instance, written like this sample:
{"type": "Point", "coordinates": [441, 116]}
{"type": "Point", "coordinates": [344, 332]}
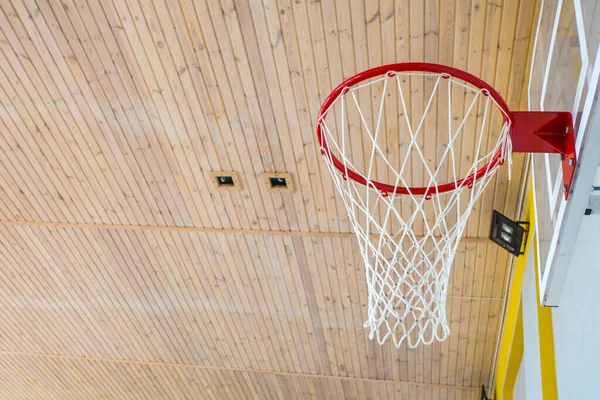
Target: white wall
{"type": "Point", "coordinates": [530, 370]}
{"type": "Point", "coordinates": [520, 389]}
{"type": "Point", "coordinates": [576, 320]}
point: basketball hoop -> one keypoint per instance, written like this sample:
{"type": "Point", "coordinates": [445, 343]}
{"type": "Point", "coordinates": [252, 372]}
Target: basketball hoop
{"type": "Point", "coordinates": [407, 206]}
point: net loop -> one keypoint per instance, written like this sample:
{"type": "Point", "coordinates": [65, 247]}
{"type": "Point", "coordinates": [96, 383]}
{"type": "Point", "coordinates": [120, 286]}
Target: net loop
{"type": "Point", "coordinates": [372, 131]}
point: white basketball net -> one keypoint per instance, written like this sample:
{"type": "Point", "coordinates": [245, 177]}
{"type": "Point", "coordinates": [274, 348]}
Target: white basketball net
{"type": "Point", "coordinates": [408, 242]}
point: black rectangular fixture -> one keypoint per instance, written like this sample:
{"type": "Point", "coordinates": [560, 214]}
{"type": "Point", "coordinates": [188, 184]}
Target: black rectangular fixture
{"type": "Point", "coordinates": [277, 182]}
{"type": "Point", "coordinates": [225, 180]}
{"type": "Point", "coordinates": [507, 233]}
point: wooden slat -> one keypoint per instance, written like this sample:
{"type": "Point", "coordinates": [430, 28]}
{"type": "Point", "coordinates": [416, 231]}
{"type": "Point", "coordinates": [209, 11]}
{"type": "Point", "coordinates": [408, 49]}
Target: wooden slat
{"type": "Point", "coordinates": [42, 376]}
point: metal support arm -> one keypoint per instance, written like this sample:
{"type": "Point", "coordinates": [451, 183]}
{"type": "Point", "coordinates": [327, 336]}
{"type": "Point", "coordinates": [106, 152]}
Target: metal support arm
{"type": "Point", "coordinates": [546, 132]}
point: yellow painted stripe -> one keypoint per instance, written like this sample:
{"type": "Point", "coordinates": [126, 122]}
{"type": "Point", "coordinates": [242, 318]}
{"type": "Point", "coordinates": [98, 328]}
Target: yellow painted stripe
{"type": "Point", "coordinates": [512, 308]}
{"type": "Point", "coordinates": [547, 360]}
{"type": "Point", "coordinates": [516, 355]}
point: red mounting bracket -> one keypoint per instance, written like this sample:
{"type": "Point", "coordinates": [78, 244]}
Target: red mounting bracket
{"type": "Point", "coordinates": [546, 132]}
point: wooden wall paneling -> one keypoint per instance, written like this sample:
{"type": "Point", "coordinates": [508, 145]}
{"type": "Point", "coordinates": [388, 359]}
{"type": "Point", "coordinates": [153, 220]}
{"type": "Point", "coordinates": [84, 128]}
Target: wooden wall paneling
{"type": "Point", "coordinates": [264, 73]}
{"type": "Point", "coordinates": [256, 381]}
{"type": "Point", "coordinates": [474, 22]}
{"type": "Point", "coordinates": [252, 391]}
{"type": "Point", "coordinates": [455, 314]}
{"type": "Point", "coordinates": [477, 263]}
{"type": "Point", "coordinates": [295, 276]}
{"type": "Point", "coordinates": [417, 99]}
{"type": "Point", "coordinates": [328, 280]}
{"type": "Point", "coordinates": [17, 325]}
{"type": "Point", "coordinates": [212, 103]}
{"type": "Point", "coordinates": [266, 304]}
{"type": "Point", "coordinates": [105, 57]}
{"type": "Point", "coordinates": [88, 269]}
{"type": "Point", "coordinates": [321, 284]}
{"type": "Point", "coordinates": [210, 147]}
{"type": "Point", "coordinates": [301, 274]}
{"type": "Point", "coordinates": [147, 281]}
{"type": "Point", "coordinates": [105, 102]}
{"type": "Point", "coordinates": [473, 266]}
{"type": "Point", "coordinates": [189, 388]}
{"type": "Point", "coordinates": [390, 128]}
{"type": "Point", "coordinates": [239, 297]}
{"type": "Point", "coordinates": [361, 32]}
{"type": "Point", "coordinates": [437, 358]}
{"type": "Point", "coordinates": [150, 111]}
{"type": "Point", "coordinates": [356, 282]}
{"type": "Point", "coordinates": [163, 92]}
{"type": "Point", "coordinates": [103, 334]}
{"type": "Point", "coordinates": [281, 303]}
{"type": "Point", "coordinates": [29, 380]}
{"type": "Point", "coordinates": [332, 265]}
{"type": "Point", "coordinates": [329, 79]}
{"type": "Point", "coordinates": [46, 275]}
{"type": "Point", "coordinates": [518, 97]}
{"type": "Point", "coordinates": [370, 98]}
{"type": "Point", "coordinates": [496, 308]}
{"type": "Point", "coordinates": [24, 151]}
{"type": "Point", "coordinates": [97, 267]}
{"type": "Point", "coordinates": [317, 24]}
{"type": "Point", "coordinates": [279, 329]}
{"type": "Point", "coordinates": [486, 307]}
{"type": "Point", "coordinates": [259, 146]}
{"type": "Point", "coordinates": [176, 259]}
{"type": "Point", "coordinates": [228, 298]}
{"type": "Point", "coordinates": [14, 202]}
{"type": "Point", "coordinates": [502, 83]}
{"type": "Point", "coordinates": [209, 289]}
{"type": "Point", "coordinates": [197, 278]}
{"type": "Point", "coordinates": [158, 279]}
{"type": "Point", "coordinates": [293, 385]}
{"type": "Point", "coordinates": [464, 327]}
{"type": "Point", "coordinates": [261, 321]}
{"type": "Point", "coordinates": [174, 381]}
{"type": "Point", "coordinates": [201, 154]}
{"type": "Point", "coordinates": [355, 305]}
{"type": "Point", "coordinates": [180, 262]}
{"type": "Point", "coordinates": [350, 303]}
{"type": "Point", "coordinates": [361, 302]}
{"type": "Point", "coordinates": [310, 271]}
{"type": "Point", "coordinates": [347, 328]}
{"type": "Point", "coordinates": [286, 308]}
{"type": "Point", "coordinates": [431, 33]}
{"type": "Point", "coordinates": [491, 341]}
{"type": "Point", "coordinates": [14, 111]}
{"type": "Point", "coordinates": [468, 315]}
{"type": "Point", "coordinates": [80, 101]}
{"type": "Point", "coordinates": [299, 159]}
{"type": "Point", "coordinates": [352, 57]}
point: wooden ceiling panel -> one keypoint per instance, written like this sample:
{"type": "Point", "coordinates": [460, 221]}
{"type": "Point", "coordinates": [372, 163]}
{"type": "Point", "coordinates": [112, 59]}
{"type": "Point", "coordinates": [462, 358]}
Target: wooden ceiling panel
{"type": "Point", "coordinates": [120, 263]}
{"type": "Point", "coordinates": [274, 303]}
{"type": "Point", "coordinates": [118, 111]}
{"type": "Point", "coordinates": [55, 377]}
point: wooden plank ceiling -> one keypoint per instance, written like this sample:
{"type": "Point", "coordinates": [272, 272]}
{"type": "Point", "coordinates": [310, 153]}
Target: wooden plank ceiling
{"type": "Point", "coordinates": [124, 274]}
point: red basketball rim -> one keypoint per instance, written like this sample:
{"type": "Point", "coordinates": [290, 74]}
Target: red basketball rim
{"type": "Point", "coordinates": [410, 67]}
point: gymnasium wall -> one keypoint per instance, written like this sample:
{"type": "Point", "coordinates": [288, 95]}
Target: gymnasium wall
{"type": "Point", "coordinates": [576, 321]}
